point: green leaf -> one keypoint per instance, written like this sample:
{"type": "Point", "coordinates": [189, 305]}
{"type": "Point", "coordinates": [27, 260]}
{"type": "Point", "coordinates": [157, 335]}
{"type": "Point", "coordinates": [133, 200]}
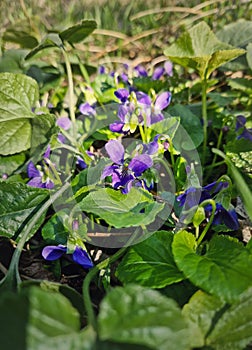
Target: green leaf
{"type": "Point", "coordinates": [168, 126]}
{"type": "Point", "coordinates": [54, 228]}
{"type": "Point", "coordinates": [137, 315]}
{"type": "Point", "coordinates": [40, 319]}
{"type": "Point", "coordinates": [15, 136]}
{"type": "Point", "coordinates": [18, 94]}
{"type": "Point", "coordinates": [200, 49]}
{"type": "Point", "coordinates": [249, 55]}
{"type": "Point", "coordinates": [224, 270]}
{"type": "Point", "coordinates": [8, 164]}
{"type": "Point", "coordinates": [150, 263]}
{"type": "Point", "coordinates": [234, 328]}
{"type": "Point", "coordinates": [51, 40]}
{"type": "Point", "coordinates": [12, 61]}
{"type": "Point", "coordinates": [237, 33]}
{"type": "Point", "coordinates": [122, 210]}
{"type": "Point", "coordinates": [192, 125]}
{"type": "Point", "coordinates": [21, 33]}
{"type": "Point", "coordinates": [200, 312]}
{"type": "Point", "coordinates": [78, 32]}
{"type": "Point", "coordinates": [17, 203]}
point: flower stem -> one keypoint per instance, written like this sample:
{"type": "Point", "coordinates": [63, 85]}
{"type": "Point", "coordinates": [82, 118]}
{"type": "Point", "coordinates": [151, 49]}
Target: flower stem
{"type": "Point", "coordinates": [71, 92]}
{"type": "Point", "coordinates": [204, 117]}
{"type": "Point", "coordinates": [12, 278]}
{"type": "Point", "coordinates": [203, 233]}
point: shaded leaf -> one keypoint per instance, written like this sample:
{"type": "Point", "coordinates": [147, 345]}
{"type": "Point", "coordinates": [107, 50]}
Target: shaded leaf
{"type": "Point", "coordinates": [150, 263]}
{"type": "Point", "coordinates": [200, 312]}
{"type": "Point", "coordinates": [51, 40]}
{"type": "Point", "coordinates": [78, 32]}
{"type": "Point", "coordinates": [224, 270]}
{"type": "Point", "coordinates": [234, 328]}
{"type": "Point", "coordinates": [237, 33]}
{"type": "Point", "coordinates": [142, 316]}
{"type": "Point", "coordinates": [17, 202]}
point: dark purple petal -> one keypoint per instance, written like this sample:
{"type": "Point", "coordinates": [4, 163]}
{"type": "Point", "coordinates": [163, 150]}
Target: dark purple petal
{"type": "Point", "coordinates": [115, 151]}
{"type": "Point", "coordinates": [155, 118]}
{"type": "Point", "coordinates": [81, 163]}
{"type": "Point", "coordinates": [53, 252]}
{"type": "Point", "coordinates": [140, 163]}
{"type": "Point", "coordinates": [108, 171]}
{"type": "Point", "coordinates": [32, 171]}
{"type": "Point", "coordinates": [48, 184]}
{"type": "Point", "coordinates": [61, 138]}
{"type": "Point", "coordinates": [151, 147]}
{"type": "Point", "coordinates": [158, 72]}
{"type": "Point", "coordinates": [124, 77]}
{"type": "Point", "coordinates": [143, 98]}
{"type": "Point", "coordinates": [101, 70]}
{"type": "Point", "coordinates": [168, 66]}
{"type": "Point", "coordinates": [141, 71]}
{"type": "Point", "coordinates": [47, 152]}
{"type": "Point", "coordinates": [163, 100]}
{"type": "Point", "coordinates": [230, 219]}
{"type": "Point", "coordinates": [122, 94]}
{"type": "Point", "coordinates": [86, 109]}
{"type": "Point", "coordinates": [36, 182]}
{"type": "Point", "coordinates": [116, 126]}
{"type": "Point", "coordinates": [80, 256]}
{"type": "Point", "coordinates": [246, 134]}
{"type": "Point", "coordinates": [64, 123]}
{"type": "Point", "coordinates": [240, 122]}
{"type": "Point", "coordinates": [217, 186]}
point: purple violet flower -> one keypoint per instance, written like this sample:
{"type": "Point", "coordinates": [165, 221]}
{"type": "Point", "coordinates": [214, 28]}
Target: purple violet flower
{"type": "Point", "coordinates": [158, 73]}
{"type": "Point", "coordinates": [240, 124]}
{"type": "Point", "coordinates": [64, 123]}
{"type": "Point", "coordinates": [86, 109]}
{"type": "Point", "coordinates": [79, 255]}
{"type": "Point", "coordinates": [141, 71]}
{"type": "Point", "coordinates": [124, 175]}
{"type": "Point", "coordinates": [37, 177]}
{"type": "Point", "coordinates": [168, 66]}
{"type": "Point", "coordinates": [223, 216]}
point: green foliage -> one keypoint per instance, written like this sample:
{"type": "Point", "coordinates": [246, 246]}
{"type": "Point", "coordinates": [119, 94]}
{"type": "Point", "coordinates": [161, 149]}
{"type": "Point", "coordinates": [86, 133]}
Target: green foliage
{"type": "Point", "coordinates": [150, 263]}
{"type": "Point", "coordinates": [200, 49]}
{"type": "Point", "coordinates": [120, 210]}
{"type": "Point", "coordinates": [142, 311]}
{"type": "Point", "coordinates": [218, 270]}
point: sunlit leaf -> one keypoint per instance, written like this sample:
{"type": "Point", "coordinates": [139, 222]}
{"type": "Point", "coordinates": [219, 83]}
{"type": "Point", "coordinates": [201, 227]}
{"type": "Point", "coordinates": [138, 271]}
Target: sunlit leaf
{"type": "Point", "coordinates": [137, 315]}
{"type": "Point", "coordinates": [150, 263]}
{"type": "Point", "coordinates": [218, 271]}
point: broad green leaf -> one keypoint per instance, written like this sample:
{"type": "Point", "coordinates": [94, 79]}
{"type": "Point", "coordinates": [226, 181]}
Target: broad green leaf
{"type": "Point", "coordinates": [15, 136]}
{"type": "Point", "coordinates": [249, 55]}
{"type": "Point", "coordinates": [54, 228]}
{"type": "Point", "coordinates": [137, 315]}
{"type": "Point", "coordinates": [8, 164]}
{"type": "Point", "coordinates": [237, 33]}
{"type": "Point", "coordinates": [234, 328]}
{"type": "Point", "coordinates": [192, 125]}
{"type": "Point", "coordinates": [51, 40]}
{"type": "Point", "coordinates": [18, 94]}
{"type": "Point", "coordinates": [224, 270]}
{"type": "Point", "coordinates": [78, 32]}
{"type": "Point", "coordinates": [168, 126]}
{"type": "Point", "coordinates": [12, 61]}
{"type": "Point", "coordinates": [200, 312]}
{"type": "Point", "coordinates": [122, 210]}
{"type": "Point", "coordinates": [200, 49]}
{"type": "Point", "coordinates": [34, 317]}
{"type": "Point", "coordinates": [17, 203]}
{"type": "Point", "coordinates": [21, 33]}
{"type": "Point", "coordinates": [150, 263]}
{"type": "Point", "coordinates": [145, 84]}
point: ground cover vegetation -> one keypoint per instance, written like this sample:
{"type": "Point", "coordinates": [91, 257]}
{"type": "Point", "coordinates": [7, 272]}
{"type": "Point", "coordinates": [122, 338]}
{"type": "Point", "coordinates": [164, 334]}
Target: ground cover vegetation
{"type": "Point", "coordinates": [126, 175]}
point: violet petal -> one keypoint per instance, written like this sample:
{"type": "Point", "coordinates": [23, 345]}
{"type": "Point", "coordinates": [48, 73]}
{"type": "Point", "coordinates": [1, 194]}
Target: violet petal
{"type": "Point", "coordinates": [64, 123]}
{"type": "Point", "coordinates": [53, 252]}
{"type": "Point", "coordinates": [32, 171]}
{"type": "Point", "coordinates": [80, 256]}
{"type": "Point", "coordinates": [115, 151]}
{"type": "Point", "coordinates": [163, 100]}
{"type": "Point", "coordinates": [140, 163]}
{"type": "Point", "coordinates": [122, 94]}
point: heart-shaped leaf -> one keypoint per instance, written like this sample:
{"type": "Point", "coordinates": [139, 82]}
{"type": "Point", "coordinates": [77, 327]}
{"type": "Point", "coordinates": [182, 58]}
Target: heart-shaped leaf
{"type": "Point", "coordinates": [200, 49]}
{"type": "Point", "coordinates": [78, 32]}
{"type": "Point", "coordinates": [150, 263]}
{"type": "Point", "coordinates": [224, 270]}
{"type": "Point", "coordinates": [138, 315]}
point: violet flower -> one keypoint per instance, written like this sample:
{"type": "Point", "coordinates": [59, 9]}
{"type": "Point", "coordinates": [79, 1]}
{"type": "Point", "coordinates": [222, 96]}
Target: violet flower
{"type": "Point", "coordinates": [158, 73]}
{"type": "Point", "coordinates": [141, 71]}
{"type": "Point", "coordinates": [64, 123]}
{"type": "Point", "coordinates": [86, 109]}
{"type": "Point", "coordinates": [37, 177]}
{"type": "Point", "coordinates": [223, 216]}
{"type": "Point", "coordinates": [124, 175]}
{"type": "Point", "coordinates": [79, 255]}
{"type": "Point", "coordinates": [240, 124]}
